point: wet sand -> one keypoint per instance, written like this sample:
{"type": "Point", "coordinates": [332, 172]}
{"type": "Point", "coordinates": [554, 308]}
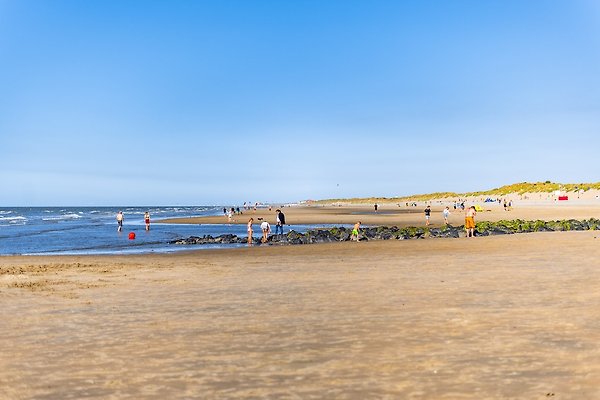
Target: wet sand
{"type": "Point", "coordinates": [513, 317]}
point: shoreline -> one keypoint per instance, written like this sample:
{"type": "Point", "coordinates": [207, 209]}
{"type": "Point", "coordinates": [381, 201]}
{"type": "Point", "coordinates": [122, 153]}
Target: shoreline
{"type": "Point", "coordinates": [300, 219]}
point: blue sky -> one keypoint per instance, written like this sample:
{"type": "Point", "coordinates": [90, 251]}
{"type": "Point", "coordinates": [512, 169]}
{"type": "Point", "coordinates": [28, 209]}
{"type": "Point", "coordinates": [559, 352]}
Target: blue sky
{"type": "Point", "coordinates": [219, 102]}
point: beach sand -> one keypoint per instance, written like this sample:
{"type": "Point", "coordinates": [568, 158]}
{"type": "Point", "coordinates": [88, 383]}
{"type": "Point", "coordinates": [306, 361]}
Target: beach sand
{"type": "Point", "coordinates": [514, 316]}
{"type": "Point", "coordinates": [401, 216]}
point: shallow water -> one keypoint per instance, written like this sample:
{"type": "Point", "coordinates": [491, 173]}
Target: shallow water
{"type": "Point", "coordinates": [93, 230]}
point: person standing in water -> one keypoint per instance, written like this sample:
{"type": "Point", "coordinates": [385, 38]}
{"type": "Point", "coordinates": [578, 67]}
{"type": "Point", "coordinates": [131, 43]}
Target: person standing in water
{"type": "Point", "coordinates": [147, 220]}
{"type": "Point", "coordinates": [266, 229]}
{"type": "Point", "coordinates": [250, 238]}
{"type": "Point", "coordinates": [280, 222]}
{"type": "Point", "coordinates": [120, 219]}
{"type": "Point", "coordinates": [470, 221]}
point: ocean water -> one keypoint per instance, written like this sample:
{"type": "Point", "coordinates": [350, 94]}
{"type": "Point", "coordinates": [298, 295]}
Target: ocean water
{"type": "Point", "coordinates": [93, 230]}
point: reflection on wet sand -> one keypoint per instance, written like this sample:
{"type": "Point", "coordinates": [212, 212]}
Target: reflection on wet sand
{"type": "Point", "coordinates": [497, 317]}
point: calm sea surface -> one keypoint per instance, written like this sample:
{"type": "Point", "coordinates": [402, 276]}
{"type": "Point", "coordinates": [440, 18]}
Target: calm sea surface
{"type": "Point", "coordinates": [93, 230]}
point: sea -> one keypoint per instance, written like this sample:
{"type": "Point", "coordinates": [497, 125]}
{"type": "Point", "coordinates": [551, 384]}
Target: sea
{"type": "Point", "coordinates": [93, 230]}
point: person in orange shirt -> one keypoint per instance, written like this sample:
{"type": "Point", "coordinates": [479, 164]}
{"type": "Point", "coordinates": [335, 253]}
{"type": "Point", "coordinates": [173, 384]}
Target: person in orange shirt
{"type": "Point", "coordinates": [470, 221]}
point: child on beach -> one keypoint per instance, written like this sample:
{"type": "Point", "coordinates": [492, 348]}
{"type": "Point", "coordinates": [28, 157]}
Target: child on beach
{"type": "Point", "coordinates": [147, 220]}
{"type": "Point", "coordinates": [446, 214]}
{"type": "Point", "coordinates": [427, 214]}
{"type": "Point", "coordinates": [355, 231]}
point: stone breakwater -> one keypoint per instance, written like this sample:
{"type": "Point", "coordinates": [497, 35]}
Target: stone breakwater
{"type": "Point", "coordinates": [341, 234]}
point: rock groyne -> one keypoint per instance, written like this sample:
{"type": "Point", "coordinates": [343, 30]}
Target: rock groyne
{"type": "Point", "coordinates": [342, 234]}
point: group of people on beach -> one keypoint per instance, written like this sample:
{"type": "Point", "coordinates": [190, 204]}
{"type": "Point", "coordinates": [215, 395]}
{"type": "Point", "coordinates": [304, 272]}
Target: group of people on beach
{"type": "Point", "coordinates": [121, 219]}
{"type": "Point", "coordinates": [232, 212]}
{"type": "Point", "coordinates": [265, 227]}
{"type": "Point", "coordinates": [469, 221]}
{"type": "Point", "coordinates": [470, 214]}
{"type": "Point", "coordinates": [280, 222]}
{"type": "Point", "coordinates": [445, 213]}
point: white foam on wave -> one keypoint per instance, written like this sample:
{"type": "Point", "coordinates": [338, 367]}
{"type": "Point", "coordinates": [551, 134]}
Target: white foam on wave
{"type": "Point", "coordinates": [17, 220]}
{"type": "Point", "coordinates": [63, 217]}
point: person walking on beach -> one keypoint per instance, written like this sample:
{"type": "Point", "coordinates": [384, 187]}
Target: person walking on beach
{"type": "Point", "coordinates": [375, 207]}
{"type": "Point", "coordinates": [446, 213]}
{"type": "Point", "coordinates": [470, 221]}
{"type": "Point", "coordinates": [250, 238]}
{"type": "Point", "coordinates": [427, 214]}
{"type": "Point", "coordinates": [147, 220]}
{"type": "Point", "coordinates": [280, 221]}
{"type": "Point", "coordinates": [120, 219]}
{"type": "Point", "coordinates": [355, 231]}
{"type": "Point", "coordinates": [266, 229]}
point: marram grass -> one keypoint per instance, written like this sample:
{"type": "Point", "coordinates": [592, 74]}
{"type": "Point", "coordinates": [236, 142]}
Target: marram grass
{"type": "Point", "coordinates": [516, 188]}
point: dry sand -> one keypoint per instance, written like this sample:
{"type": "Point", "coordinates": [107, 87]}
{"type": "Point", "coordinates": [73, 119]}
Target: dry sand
{"type": "Point", "coordinates": [392, 214]}
{"type": "Point", "coordinates": [515, 317]}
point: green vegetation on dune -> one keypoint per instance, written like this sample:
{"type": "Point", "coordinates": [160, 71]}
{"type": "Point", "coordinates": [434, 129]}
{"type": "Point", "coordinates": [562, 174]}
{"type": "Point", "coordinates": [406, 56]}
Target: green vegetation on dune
{"type": "Point", "coordinates": [516, 188]}
{"type": "Point", "coordinates": [537, 187]}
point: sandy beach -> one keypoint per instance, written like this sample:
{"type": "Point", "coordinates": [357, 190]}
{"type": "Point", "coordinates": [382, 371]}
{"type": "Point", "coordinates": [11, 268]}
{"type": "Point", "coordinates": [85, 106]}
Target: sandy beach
{"type": "Point", "coordinates": [402, 215]}
{"type": "Point", "coordinates": [513, 316]}
{"type": "Point", "coordinates": [129, 130]}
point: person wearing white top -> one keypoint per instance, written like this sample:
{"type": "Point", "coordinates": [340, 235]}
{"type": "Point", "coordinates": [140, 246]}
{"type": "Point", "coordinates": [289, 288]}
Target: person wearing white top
{"type": "Point", "coordinates": [120, 219]}
{"type": "Point", "coordinates": [446, 213]}
{"type": "Point", "coordinates": [266, 229]}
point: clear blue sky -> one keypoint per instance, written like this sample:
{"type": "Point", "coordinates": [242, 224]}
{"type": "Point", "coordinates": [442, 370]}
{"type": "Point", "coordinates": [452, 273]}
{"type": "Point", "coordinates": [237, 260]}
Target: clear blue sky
{"type": "Point", "coordinates": [220, 102]}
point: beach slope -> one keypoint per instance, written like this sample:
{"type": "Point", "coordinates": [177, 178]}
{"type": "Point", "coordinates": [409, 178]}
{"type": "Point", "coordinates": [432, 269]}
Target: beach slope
{"type": "Point", "coordinates": [513, 316]}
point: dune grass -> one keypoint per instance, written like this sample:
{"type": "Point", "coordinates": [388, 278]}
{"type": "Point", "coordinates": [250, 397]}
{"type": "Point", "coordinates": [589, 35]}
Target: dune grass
{"type": "Point", "coordinates": [516, 188]}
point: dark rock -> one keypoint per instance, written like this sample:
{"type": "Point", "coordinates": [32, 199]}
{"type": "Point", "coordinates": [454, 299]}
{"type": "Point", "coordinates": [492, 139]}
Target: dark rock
{"type": "Point", "coordinates": [227, 239]}
{"type": "Point", "coordinates": [294, 237]}
{"type": "Point", "coordinates": [341, 234]}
